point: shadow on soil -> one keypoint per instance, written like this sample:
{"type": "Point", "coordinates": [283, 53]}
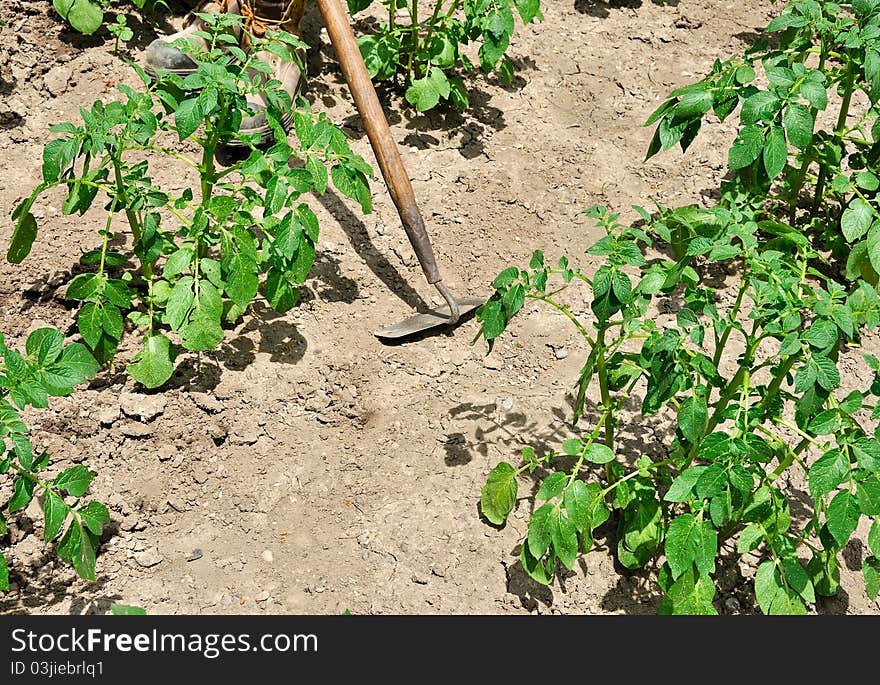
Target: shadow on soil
{"type": "Point", "coordinates": [356, 232]}
{"type": "Point", "coordinates": [603, 8]}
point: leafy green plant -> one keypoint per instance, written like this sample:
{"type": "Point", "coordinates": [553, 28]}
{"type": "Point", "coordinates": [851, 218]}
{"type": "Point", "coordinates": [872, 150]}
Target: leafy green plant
{"type": "Point", "coordinates": [126, 610]}
{"type": "Point", "coordinates": [87, 16]}
{"type": "Point", "coordinates": [427, 50]}
{"type": "Point", "coordinates": [48, 368]}
{"type": "Point", "coordinates": [120, 31]}
{"type": "Point", "coordinates": [754, 383]}
{"type": "Point", "coordinates": [242, 232]}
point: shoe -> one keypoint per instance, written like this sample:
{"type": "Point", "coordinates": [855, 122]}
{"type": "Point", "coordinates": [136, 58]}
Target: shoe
{"type": "Point", "coordinates": [160, 55]}
{"type": "Point", "coordinates": [260, 15]}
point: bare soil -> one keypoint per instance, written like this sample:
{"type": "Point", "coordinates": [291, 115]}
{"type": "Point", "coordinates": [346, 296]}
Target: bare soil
{"type": "Point", "coordinates": [306, 467]}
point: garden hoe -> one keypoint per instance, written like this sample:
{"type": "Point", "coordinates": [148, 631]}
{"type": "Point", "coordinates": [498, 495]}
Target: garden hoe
{"type": "Point", "coordinates": [396, 178]}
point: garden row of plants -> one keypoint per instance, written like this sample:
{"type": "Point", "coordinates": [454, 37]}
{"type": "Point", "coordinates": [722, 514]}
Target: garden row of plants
{"type": "Point", "coordinates": [424, 53]}
{"type": "Point", "coordinates": [762, 414]}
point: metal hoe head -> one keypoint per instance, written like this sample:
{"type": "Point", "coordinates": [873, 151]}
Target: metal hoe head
{"type": "Point", "coordinates": [448, 315]}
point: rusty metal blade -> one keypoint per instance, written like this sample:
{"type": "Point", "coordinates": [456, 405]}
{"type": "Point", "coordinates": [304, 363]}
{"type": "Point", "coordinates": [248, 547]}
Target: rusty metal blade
{"type": "Point", "coordinates": [428, 320]}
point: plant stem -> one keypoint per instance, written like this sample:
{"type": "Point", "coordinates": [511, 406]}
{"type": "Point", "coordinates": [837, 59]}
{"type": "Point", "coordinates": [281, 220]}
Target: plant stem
{"type": "Point", "coordinates": [839, 132]}
{"type": "Point", "coordinates": [603, 386]}
{"type": "Point", "coordinates": [133, 221]}
{"type": "Point", "coordinates": [722, 342]}
{"type": "Point", "coordinates": [432, 22]}
{"type": "Point", "coordinates": [414, 36]}
{"type": "Point", "coordinates": [571, 317]}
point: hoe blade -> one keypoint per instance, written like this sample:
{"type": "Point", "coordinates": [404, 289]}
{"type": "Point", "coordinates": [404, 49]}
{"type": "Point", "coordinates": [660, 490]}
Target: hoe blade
{"type": "Point", "coordinates": [428, 320]}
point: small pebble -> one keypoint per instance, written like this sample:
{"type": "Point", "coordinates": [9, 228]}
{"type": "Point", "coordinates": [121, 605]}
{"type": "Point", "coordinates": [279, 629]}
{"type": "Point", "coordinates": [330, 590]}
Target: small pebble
{"type": "Point", "coordinates": [507, 403]}
{"type": "Point", "coordinates": [268, 557]}
{"type": "Point", "coordinates": [195, 555]}
{"type": "Point", "coordinates": [561, 353]}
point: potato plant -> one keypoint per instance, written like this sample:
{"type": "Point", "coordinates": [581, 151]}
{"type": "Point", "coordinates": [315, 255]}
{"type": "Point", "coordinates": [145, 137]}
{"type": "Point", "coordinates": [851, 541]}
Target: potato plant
{"type": "Point", "coordinates": [48, 368]}
{"type": "Point", "coordinates": [426, 49]}
{"type": "Point", "coordinates": [87, 16]}
{"type": "Point", "coordinates": [202, 255]}
{"type": "Point", "coordinates": [755, 387]}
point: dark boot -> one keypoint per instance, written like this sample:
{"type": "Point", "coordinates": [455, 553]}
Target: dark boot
{"type": "Point", "coordinates": [161, 56]}
{"type": "Point", "coordinates": [261, 15]}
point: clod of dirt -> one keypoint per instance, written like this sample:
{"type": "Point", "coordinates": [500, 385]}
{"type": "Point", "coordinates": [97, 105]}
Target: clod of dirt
{"type": "Point", "coordinates": [58, 79]}
{"type": "Point", "coordinates": [149, 557]}
{"type": "Point", "coordinates": [133, 429]}
{"type": "Point", "coordinates": [145, 408]}
{"type": "Point", "coordinates": [207, 403]}
{"type": "Point", "coordinates": [108, 416]}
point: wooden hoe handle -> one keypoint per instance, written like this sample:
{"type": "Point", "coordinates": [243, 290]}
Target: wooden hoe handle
{"type": "Point", "coordinates": [384, 147]}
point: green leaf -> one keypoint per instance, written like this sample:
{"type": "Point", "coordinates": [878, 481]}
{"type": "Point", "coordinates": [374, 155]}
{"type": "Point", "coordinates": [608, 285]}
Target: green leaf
{"type": "Point", "coordinates": [856, 219]}
{"type": "Point", "coordinates": [86, 16]}
{"type": "Point", "coordinates": [539, 530]}
{"type": "Point", "coordinates": [824, 573]}
{"type": "Point", "coordinates": [690, 541]}
{"type": "Point", "coordinates": [83, 287]}
{"type": "Point", "coordinates": [815, 93]}
{"type": "Point", "coordinates": [188, 117]}
{"type": "Point", "coordinates": [828, 472]}
{"type": "Point", "coordinates": [599, 454]}
{"type": "Point", "coordinates": [280, 294]}
{"type": "Point", "coordinates": [552, 486]}
{"type": "Point", "coordinates": [750, 538]}
{"type": "Point", "coordinates": [498, 496]}
{"type": "Point", "coordinates": [534, 566]}
{"type": "Point", "coordinates": [827, 373]}
{"type": "Point", "coordinates": [55, 512]}
{"type": "Point", "coordinates": [425, 93]}
{"type": "Point", "coordinates": [75, 480]}
{"type": "Point", "coordinates": [842, 517]}
{"type": "Point", "coordinates": [641, 532]}
{"type": "Point", "coordinates": [798, 125]}
{"type": "Point", "coordinates": [352, 183]}
{"type": "Point", "coordinates": [682, 486]}
{"type": "Point", "coordinates": [690, 595]}
{"type": "Point", "coordinates": [179, 303]}
{"type": "Point", "coordinates": [795, 577]}
{"type": "Point", "coordinates": [746, 148]}
{"type": "Point", "coordinates": [711, 481]}
{"type": "Point", "coordinates": [564, 538]}
{"type": "Point", "coordinates": [75, 365]}
{"type": "Point", "coordinates": [872, 245]}
{"type": "Point", "coordinates": [529, 10]}
{"type": "Point", "coordinates": [573, 447]}
{"type": "Point", "coordinates": [77, 548]}
{"type": "Point", "coordinates": [773, 596]}
{"type": "Point", "coordinates": [775, 152]}
{"type": "Point", "coordinates": [178, 262]}
{"type": "Point", "coordinates": [870, 570]}
{"type": "Point", "coordinates": [124, 609]}
{"type": "Point", "coordinates": [22, 493]}
{"type": "Point", "coordinates": [89, 322]}
{"type": "Point", "coordinates": [95, 516]}
{"type": "Point", "coordinates": [874, 538]}
{"type": "Point", "coordinates": [4, 574]}
{"type": "Point", "coordinates": [868, 494]}
{"type": "Point", "coordinates": [577, 502]}
{"type": "Point", "coordinates": [693, 417]}
{"type": "Point", "coordinates": [825, 423]}
{"type": "Point", "coordinates": [154, 364]}
{"type": "Point", "coordinates": [22, 237]}
{"type": "Point", "coordinates": [45, 345]}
